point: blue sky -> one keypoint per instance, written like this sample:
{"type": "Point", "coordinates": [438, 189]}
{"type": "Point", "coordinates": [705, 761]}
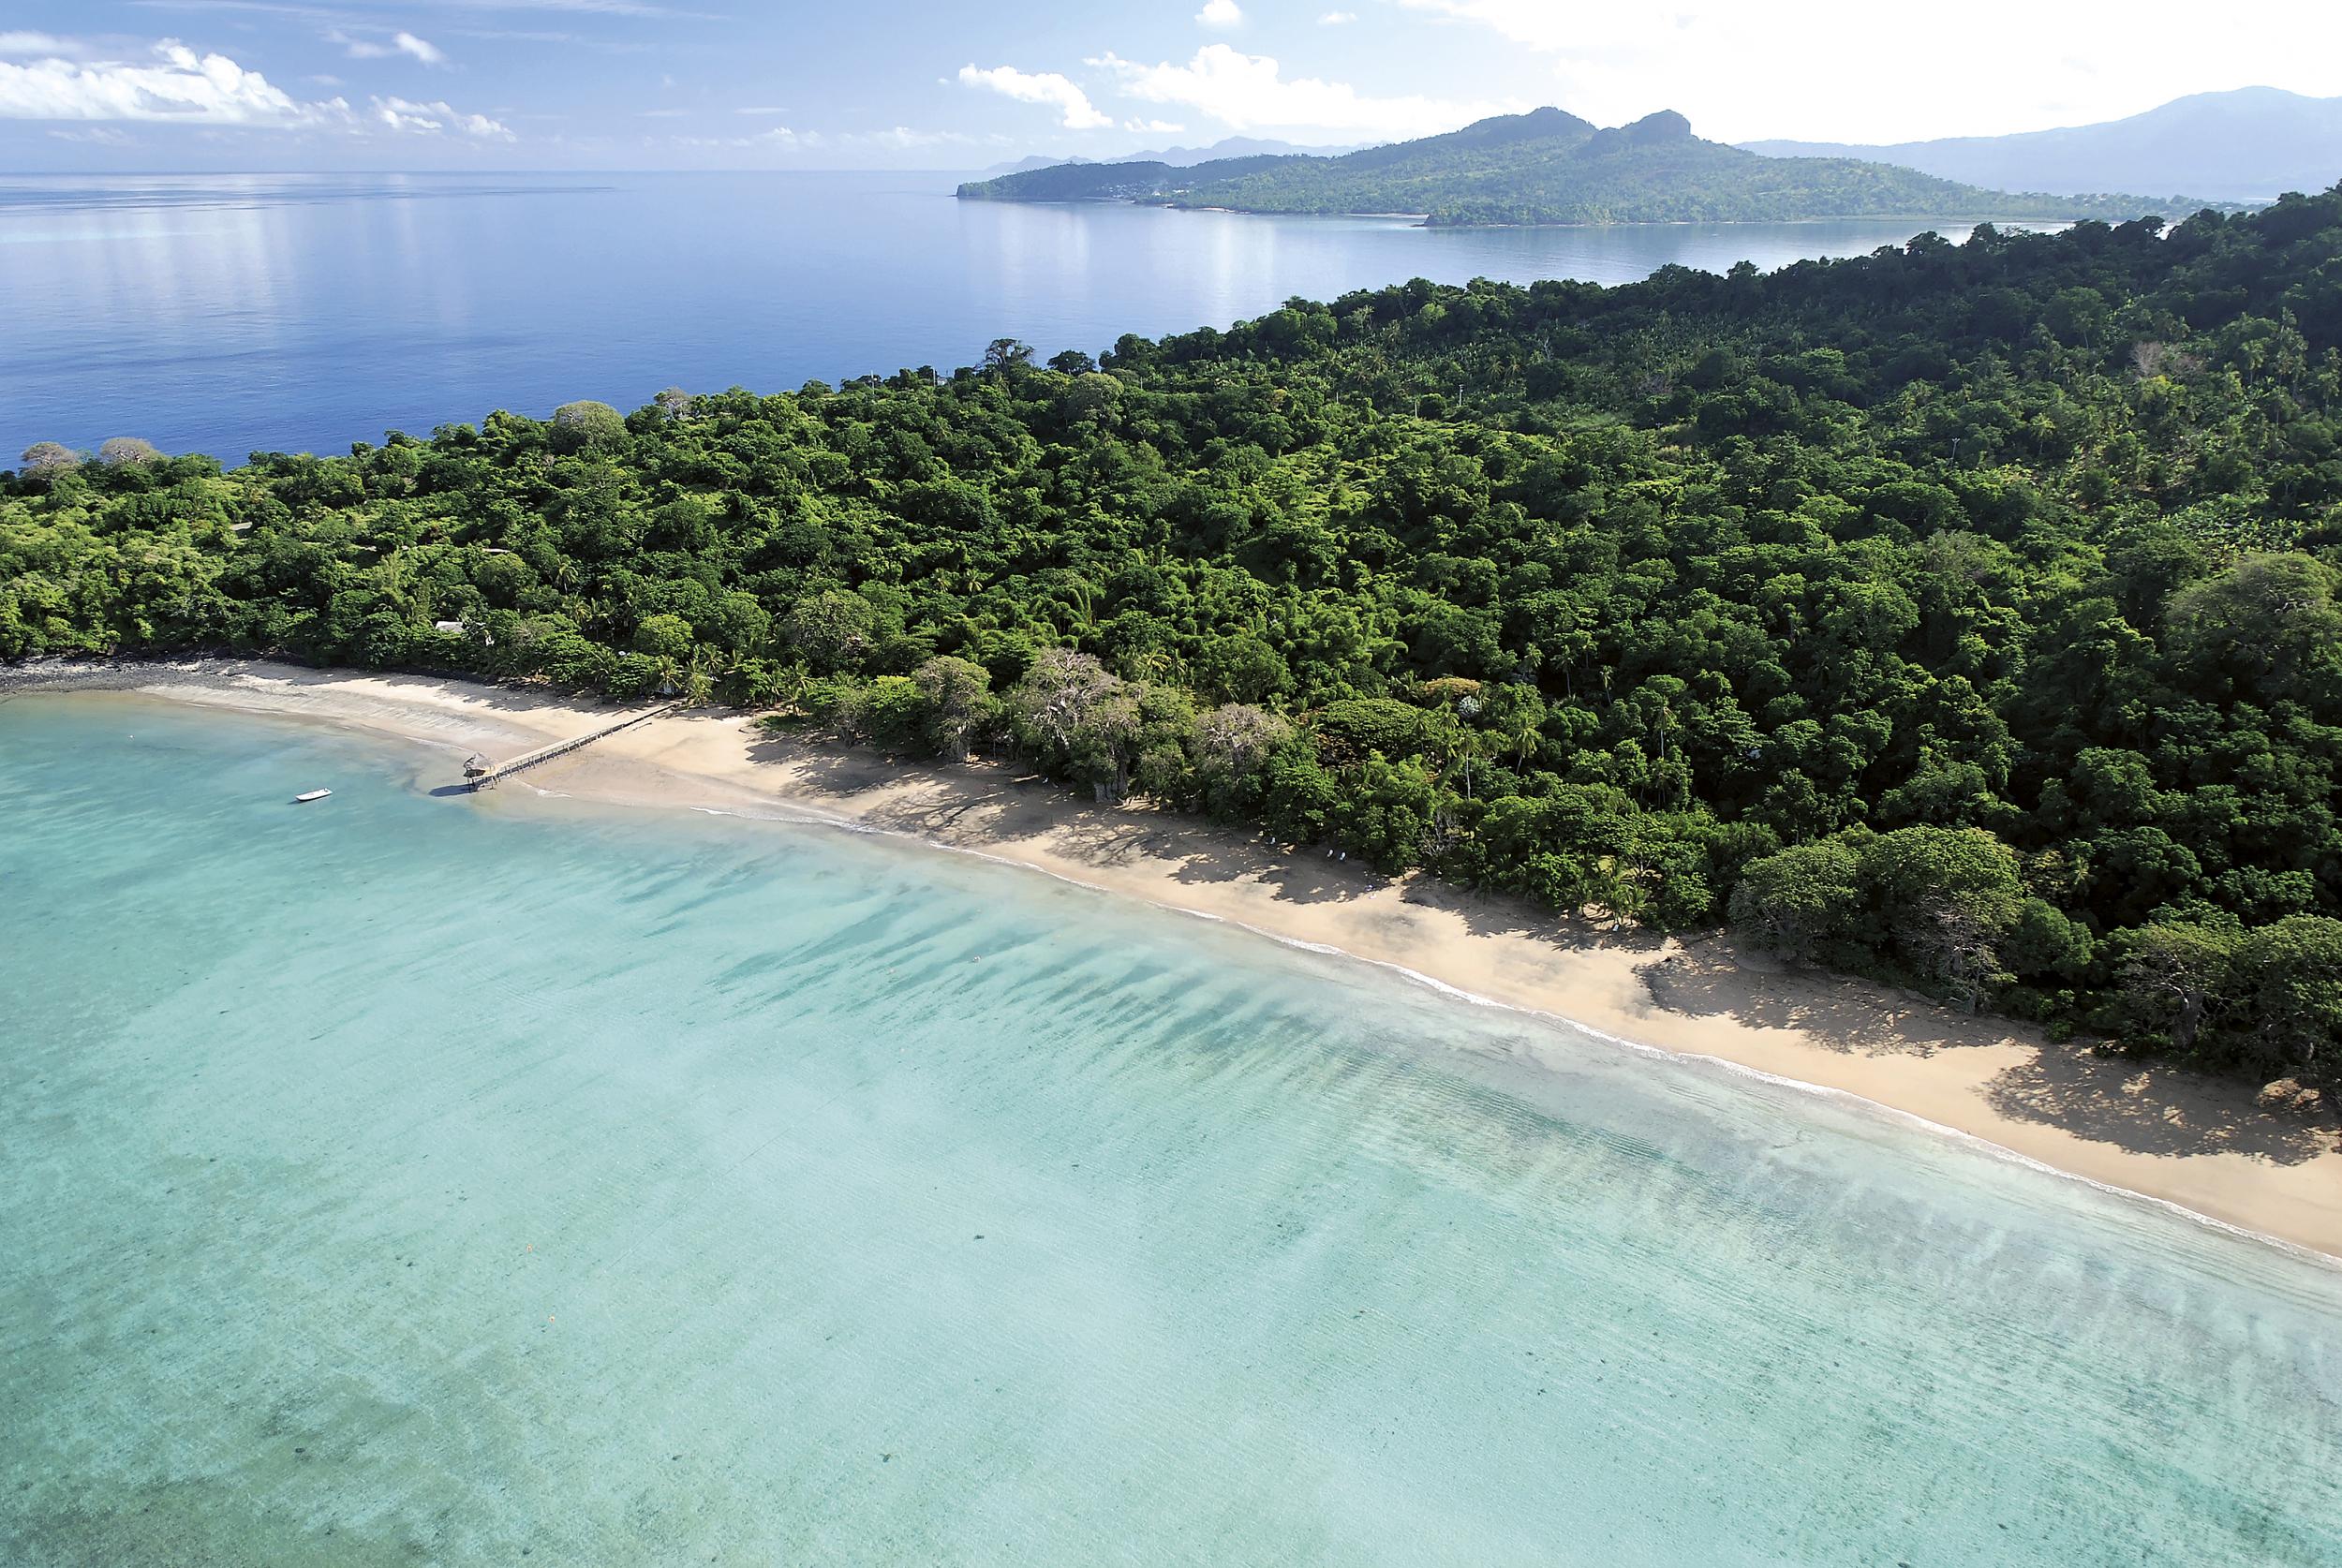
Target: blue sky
{"type": "Point", "coordinates": [298, 84]}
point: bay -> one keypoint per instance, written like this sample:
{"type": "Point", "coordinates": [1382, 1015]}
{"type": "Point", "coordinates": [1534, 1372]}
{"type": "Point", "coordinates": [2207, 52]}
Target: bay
{"type": "Point", "coordinates": [401, 1179]}
{"type": "Point", "coordinates": [232, 313]}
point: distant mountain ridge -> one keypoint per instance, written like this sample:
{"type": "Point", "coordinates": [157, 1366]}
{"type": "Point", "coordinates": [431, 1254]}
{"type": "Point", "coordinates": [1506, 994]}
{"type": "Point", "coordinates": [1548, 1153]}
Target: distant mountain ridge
{"type": "Point", "coordinates": [2254, 143]}
{"type": "Point", "coordinates": [1550, 167]}
{"type": "Point", "coordinates": [1185, 157]}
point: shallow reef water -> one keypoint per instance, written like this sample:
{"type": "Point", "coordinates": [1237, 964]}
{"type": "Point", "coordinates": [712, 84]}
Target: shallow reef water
{"type": "Point", "coordinates": [409, 1179]}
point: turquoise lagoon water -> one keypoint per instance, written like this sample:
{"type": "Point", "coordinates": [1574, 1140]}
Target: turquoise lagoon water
{"type": "Point", "coordinates": [412, 1179]}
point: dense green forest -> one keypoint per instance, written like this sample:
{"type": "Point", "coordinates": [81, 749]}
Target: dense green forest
{"type": "Point", "coordinates": [1965, 615]}
{"type": "Point", "coordinates": [1552, 167]}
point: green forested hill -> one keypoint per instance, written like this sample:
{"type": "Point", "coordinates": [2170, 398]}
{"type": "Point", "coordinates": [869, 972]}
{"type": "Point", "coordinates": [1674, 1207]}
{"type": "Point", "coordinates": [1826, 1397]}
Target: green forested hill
{"type": "Point", "coordinates": [1549, 167]}
{"type": "Point", "coordinates": [1962, 613]}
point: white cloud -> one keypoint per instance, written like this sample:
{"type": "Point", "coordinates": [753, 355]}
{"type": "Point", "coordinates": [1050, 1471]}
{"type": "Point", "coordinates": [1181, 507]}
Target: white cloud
{"type": "Point", "coordinates": [1158, 128]}
{"type": "Point", "coordinates": [400, 114]}
{"type": "Point", "coordinates": [761, 109]}
{"type": "Point", "coordinates": [1221, 13]}
{"type": "Point", "coordinates": [1250, 91]}
{"type": "Point", "coordinates": [1336, 19]}
{"type": "Point", "coordinates": [780, 137]}
{"type": "Point", "coordinates": [1043, 87]}
{"type": "Point", "coordinates": [903, 137]}
{"type": "Point", "coordinates": [407, 43]}
{"type": "Point", "coordinates": [180, 87]}
{"type": "Point", "coordinates": [1817, 68]}
{"type": "Point", "coordinates": [400, 43]}
{"type": "Point", "coordinates": [18, 45]}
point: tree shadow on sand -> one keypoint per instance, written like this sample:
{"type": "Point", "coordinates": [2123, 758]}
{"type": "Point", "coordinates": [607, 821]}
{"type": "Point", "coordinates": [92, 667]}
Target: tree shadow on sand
{"type": "Point", "coordinates": [2160, 1109]}
{"type": "Point", "coordinates": [1711, 979]}
{"type": "Point", "coordinates": [957, 802]}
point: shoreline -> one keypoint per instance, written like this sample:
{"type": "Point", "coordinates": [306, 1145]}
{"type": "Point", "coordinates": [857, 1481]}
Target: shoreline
{"type": "Point", "coordinates": [1423, 220]}
{"type": "Point", "coordinates": [2149, 1129]}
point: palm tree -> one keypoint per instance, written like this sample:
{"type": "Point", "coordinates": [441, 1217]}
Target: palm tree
{"type": "Point", "coordinates": [699, 678]}
{"type": "Point", "coordinates": [1523, 730]}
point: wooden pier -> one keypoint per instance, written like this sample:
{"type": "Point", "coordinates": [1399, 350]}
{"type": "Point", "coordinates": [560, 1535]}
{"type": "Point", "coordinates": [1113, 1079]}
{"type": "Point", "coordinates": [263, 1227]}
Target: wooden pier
{"type": "Point", "coordinates": [501, 771]}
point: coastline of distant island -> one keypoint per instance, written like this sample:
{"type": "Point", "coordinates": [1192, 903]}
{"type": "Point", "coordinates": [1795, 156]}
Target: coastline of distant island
{"type": "Point", "coordinates": [1549, 167]}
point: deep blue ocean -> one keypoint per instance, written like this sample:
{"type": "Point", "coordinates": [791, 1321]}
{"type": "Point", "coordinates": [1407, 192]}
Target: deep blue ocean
{"type": "Point", "coordinates": [230, 313]}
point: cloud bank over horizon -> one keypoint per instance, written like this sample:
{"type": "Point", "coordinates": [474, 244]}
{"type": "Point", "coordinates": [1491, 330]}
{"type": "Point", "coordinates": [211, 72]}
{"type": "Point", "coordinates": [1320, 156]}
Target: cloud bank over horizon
{"type": "Point", "coordinates": [655, 83]}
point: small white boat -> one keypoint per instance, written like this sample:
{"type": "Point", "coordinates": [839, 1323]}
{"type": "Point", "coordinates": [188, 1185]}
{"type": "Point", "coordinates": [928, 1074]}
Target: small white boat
{"type": "Point", "coordinates": [314, 795]}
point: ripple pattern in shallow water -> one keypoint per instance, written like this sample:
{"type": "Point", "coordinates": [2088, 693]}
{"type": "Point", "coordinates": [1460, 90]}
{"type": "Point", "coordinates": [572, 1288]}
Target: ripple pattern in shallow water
{"type": "Point", "coordinates": [424, 1180]}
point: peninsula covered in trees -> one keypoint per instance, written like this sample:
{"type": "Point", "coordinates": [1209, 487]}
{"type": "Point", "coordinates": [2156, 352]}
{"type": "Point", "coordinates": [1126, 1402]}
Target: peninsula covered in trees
{"type": "Point", "coordinates": [1962, 615]}
{"type": "Point", "coordinates": [1549, 167]}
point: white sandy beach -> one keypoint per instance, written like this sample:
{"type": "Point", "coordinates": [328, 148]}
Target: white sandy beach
{"type": "Point", "coordinates": [2154, 1130]}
